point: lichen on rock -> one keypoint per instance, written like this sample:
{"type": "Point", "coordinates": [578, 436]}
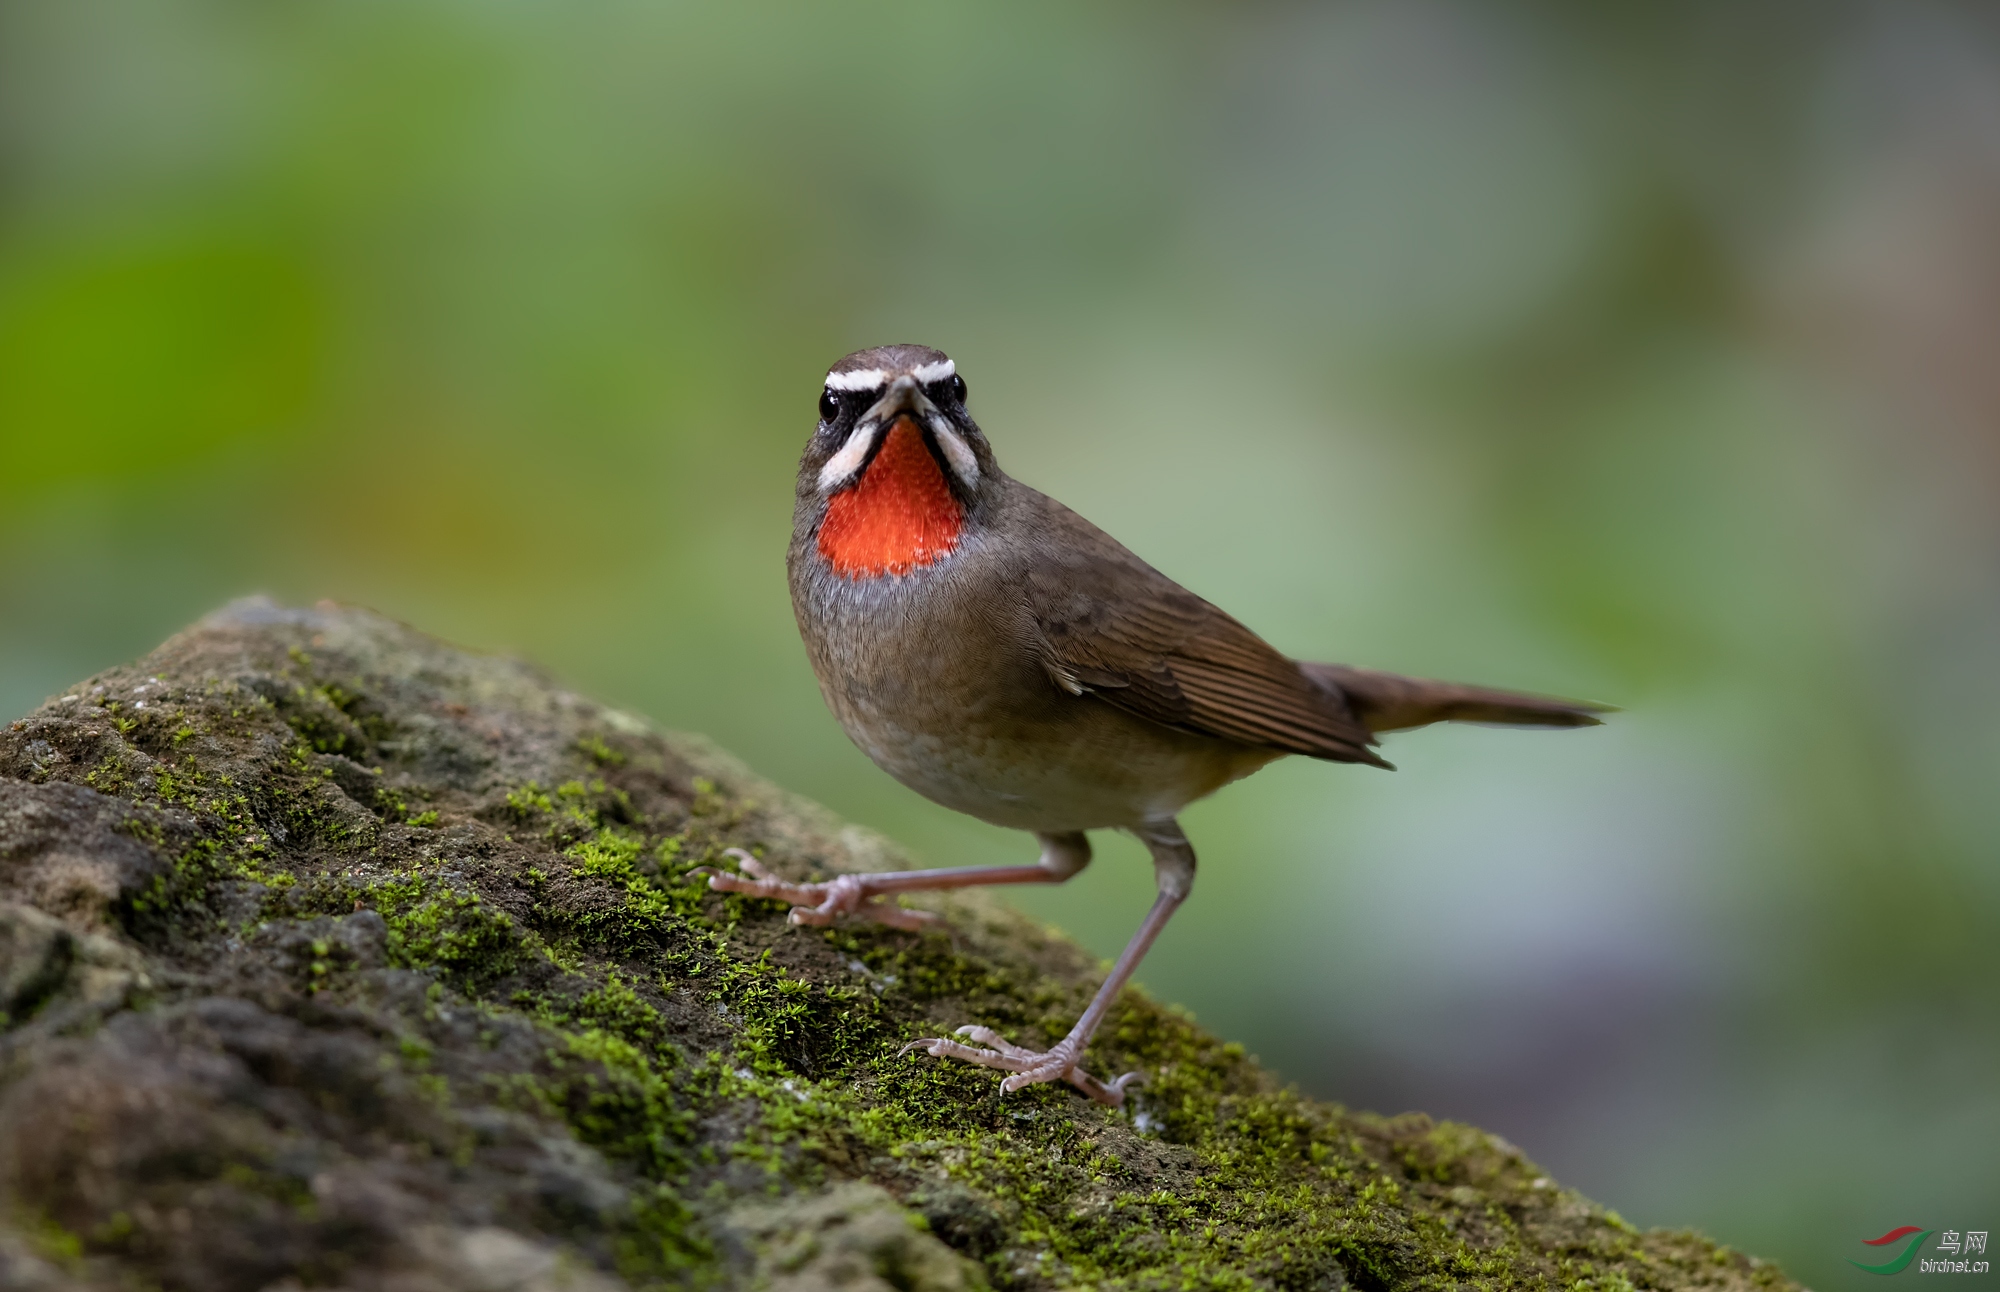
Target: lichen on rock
{"type": "Point", "coordinates": [334, 956]}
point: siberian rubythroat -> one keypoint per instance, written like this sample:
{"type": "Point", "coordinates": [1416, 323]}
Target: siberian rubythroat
{"type": "Point", "coordinates": [999, 654]}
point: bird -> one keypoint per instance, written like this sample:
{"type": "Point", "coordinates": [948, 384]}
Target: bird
{"type": "Point", "coordinates": [1000, 655]}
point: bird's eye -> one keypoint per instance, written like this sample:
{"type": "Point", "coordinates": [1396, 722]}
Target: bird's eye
{"type": "Point", "coordinates": [829, 405]}
{"type": "Point", "coordinates": [958, 388]}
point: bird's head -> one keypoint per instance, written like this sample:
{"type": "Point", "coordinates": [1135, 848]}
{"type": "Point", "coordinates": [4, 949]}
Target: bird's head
{"type": "Point", "coordinates": [895, 465]}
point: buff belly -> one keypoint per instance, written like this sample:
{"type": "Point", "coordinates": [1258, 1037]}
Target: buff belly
{"type": "Point", "coordinates": [1095, 768]}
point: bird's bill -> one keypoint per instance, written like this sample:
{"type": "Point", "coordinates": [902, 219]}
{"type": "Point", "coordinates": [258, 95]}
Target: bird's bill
{"type": "Point", "coordinates": [904, 398]}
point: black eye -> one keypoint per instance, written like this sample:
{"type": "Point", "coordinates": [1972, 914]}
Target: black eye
{"type": "Point", "coordinates": [958, 388]}
{"type": "Point", "coordinates": [829, 405]}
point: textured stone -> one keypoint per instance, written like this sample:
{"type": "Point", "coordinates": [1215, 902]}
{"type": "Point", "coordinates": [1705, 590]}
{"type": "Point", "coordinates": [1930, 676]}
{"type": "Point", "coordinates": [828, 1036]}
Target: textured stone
{"type": "Point", "coordinates": [333, 956]}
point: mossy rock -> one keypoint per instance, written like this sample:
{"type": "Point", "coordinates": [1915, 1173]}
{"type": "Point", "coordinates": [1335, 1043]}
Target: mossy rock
{"type": "Point", "coordinates": [335, 956]}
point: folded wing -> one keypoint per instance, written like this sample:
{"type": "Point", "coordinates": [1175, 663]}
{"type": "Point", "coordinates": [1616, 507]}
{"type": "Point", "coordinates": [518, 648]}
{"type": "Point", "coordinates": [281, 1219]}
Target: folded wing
{"type": "Point", "coordinates": [1112, 627]}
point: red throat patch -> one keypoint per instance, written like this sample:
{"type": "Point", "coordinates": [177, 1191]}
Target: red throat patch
{"type": "Point", "coordinates": [901, 514]}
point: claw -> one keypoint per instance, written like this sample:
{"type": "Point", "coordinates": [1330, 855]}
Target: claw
{"type": "Point", "coordinates": [1027, 1067]}
{"type": "Point", "coordinates": [884, 911]}
{"type": "Point", "coordinates": [750, 866]}
{"type": "Point", "coordinates": [815, 904]}
{"type": "Point", "coordinates": [993, 1040]}
{"type": "Point", "coordinates": [943, 1047]}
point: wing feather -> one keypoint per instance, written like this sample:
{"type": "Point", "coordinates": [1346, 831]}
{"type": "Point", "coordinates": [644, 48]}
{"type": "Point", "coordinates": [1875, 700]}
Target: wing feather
{"type": "Point", "coordinates": [1116, 631]}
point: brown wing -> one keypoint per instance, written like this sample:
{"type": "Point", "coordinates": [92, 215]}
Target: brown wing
{"type": "Point", "coordinates": [1114, 628]}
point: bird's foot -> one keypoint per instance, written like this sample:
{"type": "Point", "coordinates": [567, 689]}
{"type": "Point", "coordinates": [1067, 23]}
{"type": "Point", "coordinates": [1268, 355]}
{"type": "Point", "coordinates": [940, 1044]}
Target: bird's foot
{"type": "Point", "coordinates": [1027, 1067]}
{"type": "Point", "coordinates": [818, 903]}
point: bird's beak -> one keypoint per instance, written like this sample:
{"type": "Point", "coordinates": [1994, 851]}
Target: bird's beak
{"type": "Point", "coordinates": [903, 398]}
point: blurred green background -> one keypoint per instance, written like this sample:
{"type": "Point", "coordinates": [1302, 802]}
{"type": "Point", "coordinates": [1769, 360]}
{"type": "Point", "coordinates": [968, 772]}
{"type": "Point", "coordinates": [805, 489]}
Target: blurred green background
{"type": "Point", "coordinates": [1649, 353]}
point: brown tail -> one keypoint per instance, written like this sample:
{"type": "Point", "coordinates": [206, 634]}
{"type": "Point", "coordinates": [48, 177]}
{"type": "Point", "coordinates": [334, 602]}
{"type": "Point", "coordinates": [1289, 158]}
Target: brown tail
{"type": "Point", "coordinates": [1388, 702]}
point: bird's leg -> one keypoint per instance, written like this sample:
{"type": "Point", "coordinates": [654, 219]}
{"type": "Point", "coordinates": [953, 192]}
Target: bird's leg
{"type": "Point", "coordinates": [872, 896]}
{"type": "Point", "coordinates": [1173, 870]}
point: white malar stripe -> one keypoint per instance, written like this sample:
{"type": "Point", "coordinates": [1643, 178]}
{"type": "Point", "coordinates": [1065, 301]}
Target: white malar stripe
{"type": "Point", "coordinates": [934, 372]}
{"type": "Point", "coordinates": [956, 452]}
{"type": "Point", "coordinates": [840, 468]}
{"type": "Point", "coordinates": [860, 379]}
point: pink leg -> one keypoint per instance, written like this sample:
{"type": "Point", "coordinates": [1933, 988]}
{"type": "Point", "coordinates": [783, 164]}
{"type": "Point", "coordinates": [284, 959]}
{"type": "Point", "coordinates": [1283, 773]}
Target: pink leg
{"type": "Point", "coordinates": [1063, 855]}
{"type": "Point", "coordinates": [1173, 868]}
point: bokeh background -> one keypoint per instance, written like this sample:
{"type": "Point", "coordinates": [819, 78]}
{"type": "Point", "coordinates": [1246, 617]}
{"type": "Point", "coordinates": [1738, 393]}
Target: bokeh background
{"type": "Point", "coordinates": [1648, 353]}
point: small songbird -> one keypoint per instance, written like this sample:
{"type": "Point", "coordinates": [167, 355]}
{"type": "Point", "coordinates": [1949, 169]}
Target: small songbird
{"type": "Point", "coordinates": [999, 654]}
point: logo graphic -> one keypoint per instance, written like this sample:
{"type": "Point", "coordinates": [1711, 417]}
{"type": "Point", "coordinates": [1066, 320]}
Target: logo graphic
{"type": "Point", "coordinates": [1900, 1263]}
{"type": "Point", "coordinates": [1913, 1237]}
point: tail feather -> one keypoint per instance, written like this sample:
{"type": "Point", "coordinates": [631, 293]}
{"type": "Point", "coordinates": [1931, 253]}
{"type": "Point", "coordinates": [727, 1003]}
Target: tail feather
{"type": "Point", "coordinates": [1390, 702]}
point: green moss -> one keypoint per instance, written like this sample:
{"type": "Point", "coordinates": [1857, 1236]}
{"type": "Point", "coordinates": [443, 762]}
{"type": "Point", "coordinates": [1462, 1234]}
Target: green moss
{"type": "Point", "coordinates": [526, 801]}
{"type": "Point", "coordinates": [320, 723]}
{"type": "Point", "coordinates": [109, 776]}
{"type": "Point", "coordinates": [619, 1010]}
{"type": "Point", "coordinates": [391, 805]}
{"type": "Point", "coordinates": [1281, 1191]}
{"type": "Point", "coordinates": [707, 1049]}
{"type": "Point", "coordinates": [644, 907]}
{"type": "Point", "coordinates": [614, 1099]}
{"type": "Point", "coordinates": [332, 716]}
{"type": "Point", "coordinates": [433, 925]}
{"type": "Point", "coordinates": [51, 1241]}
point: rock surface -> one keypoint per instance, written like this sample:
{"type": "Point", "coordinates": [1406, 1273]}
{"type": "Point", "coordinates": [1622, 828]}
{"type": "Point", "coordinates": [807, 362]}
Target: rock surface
{"type": "Point", "coordinates": [333, 956]}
